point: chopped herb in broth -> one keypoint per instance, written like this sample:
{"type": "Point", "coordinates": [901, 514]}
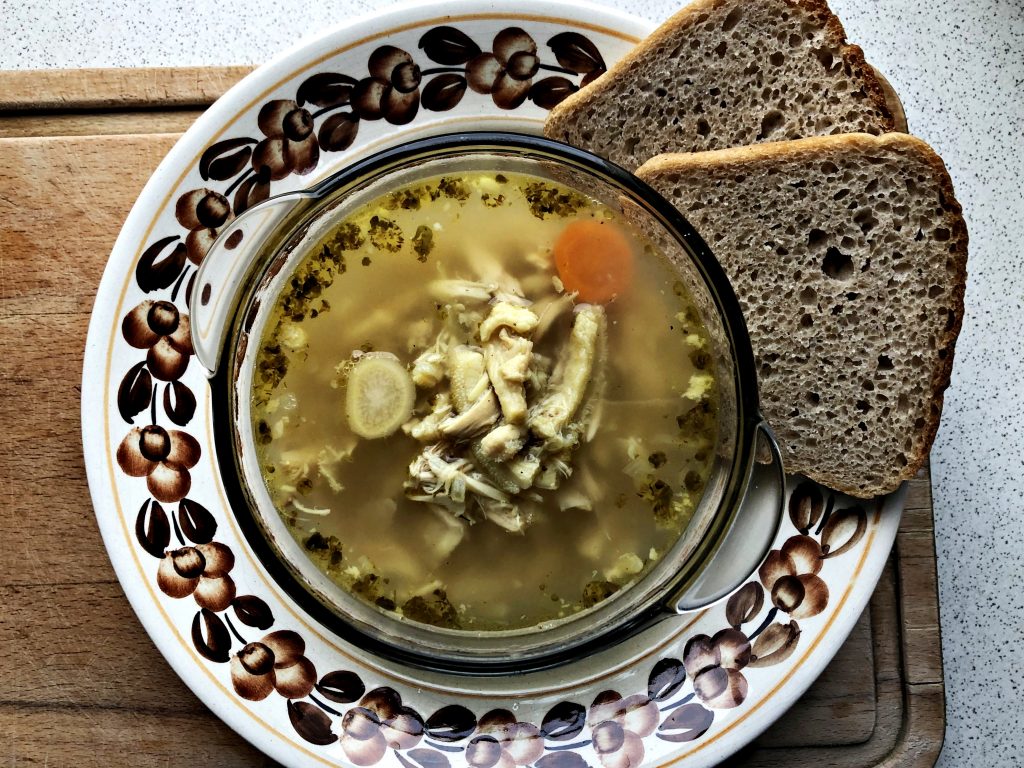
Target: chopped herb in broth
{"type": "Point", "coordinates": [502, 415]}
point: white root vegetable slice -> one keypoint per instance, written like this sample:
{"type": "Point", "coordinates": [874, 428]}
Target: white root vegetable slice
{"type": "Point", "coordinates": [380, 395]}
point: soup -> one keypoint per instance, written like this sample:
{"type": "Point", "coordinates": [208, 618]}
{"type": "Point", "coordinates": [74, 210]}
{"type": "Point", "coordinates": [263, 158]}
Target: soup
{"type": "Point", "coordinates": [482, 403]}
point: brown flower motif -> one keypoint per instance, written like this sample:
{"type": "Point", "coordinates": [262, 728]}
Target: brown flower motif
{"type": "Point", "coordinates": [163, 457]}
{"type": "Point", "coordinates": [378, 722]}
{"type": "Point", "coordinates": [714, 664]}
{"type": "Point", "coordinates": [504, 742]}
{"type": "Point", "coordinates": [392, 89]}
{"type": "Point", "coordinates": [275, 663]}
{"type": "Point", "coordinates": [200, 571]}
{"type": "Point", "coordinates": [790, 577]}
{"type": "Point", "coordinates": [290, 145]}
{"type": "Point", "coordinates": [165, 332]}
{"type": "Point", "coordinates": [505, 74]}
{"type": "Point", "coordinates": [618, 726]}
{"type": "Point", "coordinates": [203, 213]}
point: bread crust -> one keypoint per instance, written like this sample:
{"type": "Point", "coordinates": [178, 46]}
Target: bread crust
{"type": "Point", "coordinates": [555, 124]}
{"type": "Point", "coordinates": [892, 100]}
{"type": "Point", "coordinates": [737, 158]}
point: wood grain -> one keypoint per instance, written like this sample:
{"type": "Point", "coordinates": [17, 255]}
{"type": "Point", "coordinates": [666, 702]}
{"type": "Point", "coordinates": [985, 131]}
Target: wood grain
{"type": "Point", "coordinates": [98, 89]}
{"type": "Point", "coordinates": [78, 149]}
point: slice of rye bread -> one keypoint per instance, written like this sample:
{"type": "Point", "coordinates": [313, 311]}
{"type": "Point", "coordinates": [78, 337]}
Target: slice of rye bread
{"type": "Point", "coordinates": [848, 255]}
{"type": "Point", "coordinates": [724, 73]}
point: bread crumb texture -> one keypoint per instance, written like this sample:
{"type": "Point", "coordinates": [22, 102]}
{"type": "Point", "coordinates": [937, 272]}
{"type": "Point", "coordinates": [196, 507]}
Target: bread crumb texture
{"type": "Point", "coordinates": [723, 73]}
{"type": "Point", "coordinates": [848, 255]}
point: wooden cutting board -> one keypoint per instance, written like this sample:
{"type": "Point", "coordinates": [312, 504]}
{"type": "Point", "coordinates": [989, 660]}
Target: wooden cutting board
{"type": "Point", "coordinates": [81, 684]}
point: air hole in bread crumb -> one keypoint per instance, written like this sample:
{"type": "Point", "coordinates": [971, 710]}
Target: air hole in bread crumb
{"type": "Point", "coordinates": [806, 321]}
{"type": "Point", "coordinates": [813, 398]}
{"type": "Point", "coordinates": [885, 363]}
{"type": "Point", "coordinates": [941, 234]}
{"type": "Point", "coordinates": [732, 19]}
{"type": "Point", "coordinates": [795, 40]}
{"type": "Point", "coordinates": [703, 128]}
{"type": "Point", "coordinates": [935, 291]}
{"type": "Point", "coordinates": [863, 406]}
{"type": "Point", "coordinates": [837, 265]}
{"type": "Point", "coordinates": [777, 59]}
{"type": "Point", "coordinates": [865, 219]}
{"type": "Point", "coordinates": [808, 296]}
{"type": "Point", "coordinates": [815, 238]}
{"type": "Point", "coordinates": [772, 122]}
{"type": "Point", "coordinates": [862, 427]}
{"type": "Point", "coordinates": [720, 49]}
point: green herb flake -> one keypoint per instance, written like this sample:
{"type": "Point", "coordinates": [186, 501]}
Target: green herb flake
{"type": "Point", "coordinates": [385, 234]}
{"type": "Point", "coordinates": [693, 482]}
{"type": "Point", "coordinates": [545, 199]}
{"type": "Point", "coordinates": [348, 237]}
{"type": "Point", "coordinates": [699, 420]}
{"type": "Point", "coordinates": [263, 436]}
{"type": "Point", "coordinates": [316, 542]}
{"type": "Point", "coordinates": [455, 189]}
{"type": "Point", "coordinates": [272, 367]}
{"type": "Point", "coordinates": [659, 494]}
{"type": "Point", "coordinates": [434, 609]}
{"type": "Point", "coordinates": [328, 547]}
{"type": "Point", "coordinates": [367, 586]}
{"type": "Point", "coordinates": [596, 591]}
{"type": "Point", "coordinates": [423, 242]}
{"type": "Point", "coordinates": [700, 359]}
{"type": "Point", "coordinates": [406, 199]}
{"type": "Point", "coordinates": [657, 459]}
{"type": "Point", "coordinates": [492, 201]}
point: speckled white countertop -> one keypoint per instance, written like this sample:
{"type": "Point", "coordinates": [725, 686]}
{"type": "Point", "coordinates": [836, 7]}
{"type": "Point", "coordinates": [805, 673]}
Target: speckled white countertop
{"type": "Point", "coordinates": [959, 68]}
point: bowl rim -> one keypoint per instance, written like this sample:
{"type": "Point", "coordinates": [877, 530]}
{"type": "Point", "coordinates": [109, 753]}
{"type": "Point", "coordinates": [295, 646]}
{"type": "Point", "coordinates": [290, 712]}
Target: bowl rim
{"type": "Point", "coordinates": [368, 635]}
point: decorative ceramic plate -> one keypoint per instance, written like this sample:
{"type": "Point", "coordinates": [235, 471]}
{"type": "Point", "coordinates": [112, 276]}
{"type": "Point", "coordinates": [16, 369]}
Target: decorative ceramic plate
{"type": "Point", "coordinates": [691, 690]}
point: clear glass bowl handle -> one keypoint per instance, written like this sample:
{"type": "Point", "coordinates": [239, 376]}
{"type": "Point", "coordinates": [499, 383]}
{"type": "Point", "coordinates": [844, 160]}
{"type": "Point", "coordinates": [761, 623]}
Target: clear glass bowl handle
{"type": "Point", "coordinates": [231, 263]}
{"type": "Point", "coordinates": [750, 537]}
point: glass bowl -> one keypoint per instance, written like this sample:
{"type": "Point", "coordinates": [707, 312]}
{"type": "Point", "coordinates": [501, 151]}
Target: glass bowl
{"type": "Point", "coordinates": [735, 519]}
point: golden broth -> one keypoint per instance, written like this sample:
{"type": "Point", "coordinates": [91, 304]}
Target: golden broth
{"type": "Point", "coordinates": [370, 285]}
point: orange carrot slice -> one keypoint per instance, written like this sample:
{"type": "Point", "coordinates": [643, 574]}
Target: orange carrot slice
{"type": "Point", "coordinates": [595, 260]}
